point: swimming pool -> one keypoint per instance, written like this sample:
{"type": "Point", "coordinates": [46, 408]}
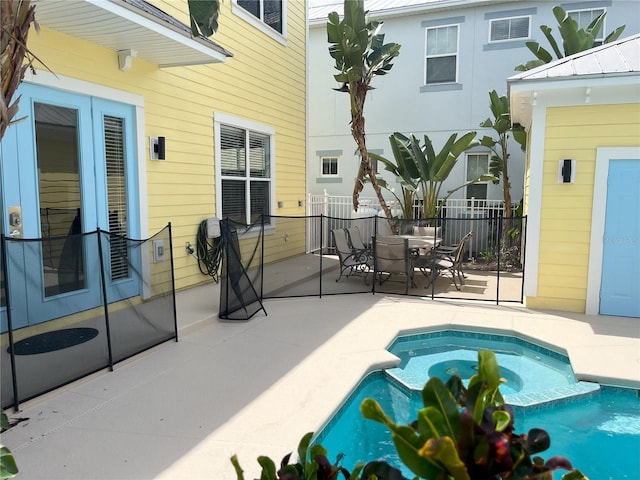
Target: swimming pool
{"type": "Point", "coordinates": [599, 432]}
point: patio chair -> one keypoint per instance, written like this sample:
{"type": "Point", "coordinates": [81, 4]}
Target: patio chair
{"type": "Point", "coordinates": [392, 256]}
{"type": "Point", "coordinates": [430, 232]}
{"type": "Point", "coordinates": [450, 250]}
{"type": "Point", "coordinates": [352, 260]}
{"type": "Point", "coordinates": [443, 261]}
{"type": "Point", "coordinates": [355, 239]}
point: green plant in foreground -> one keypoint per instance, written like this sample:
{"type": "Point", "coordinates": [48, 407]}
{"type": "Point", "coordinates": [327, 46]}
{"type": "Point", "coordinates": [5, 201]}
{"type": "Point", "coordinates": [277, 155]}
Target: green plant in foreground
{"type": "Point", "coordinates": [8, 467]}
{"type": "Point", "coordinates": [465, 433]}
{"type": "Point", "coordinates": [313, 465]}
{"type": "Point", "coordinates": [462, 433]}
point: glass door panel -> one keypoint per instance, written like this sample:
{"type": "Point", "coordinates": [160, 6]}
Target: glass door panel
{"type": "Point", "coordinates": [59, 193]}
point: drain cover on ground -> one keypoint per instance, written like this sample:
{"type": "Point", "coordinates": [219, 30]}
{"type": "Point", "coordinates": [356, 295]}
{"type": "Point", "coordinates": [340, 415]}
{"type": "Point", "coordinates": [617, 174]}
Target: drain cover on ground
{"type": "Point", "coordinates": [52, 341]}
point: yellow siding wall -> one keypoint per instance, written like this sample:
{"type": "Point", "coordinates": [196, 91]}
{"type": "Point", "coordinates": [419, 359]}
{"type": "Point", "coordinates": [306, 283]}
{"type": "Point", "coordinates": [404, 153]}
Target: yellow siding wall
{"type": "Point", "coordinates": [565, 226]}
{"type": "Point", "coordinates": [264, 82]}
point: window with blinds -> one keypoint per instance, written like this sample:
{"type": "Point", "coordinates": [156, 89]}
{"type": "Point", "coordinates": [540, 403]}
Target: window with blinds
{"type": "Point", "coordinates": [245, 168]}
{"type": "Point", "coordinates": [116, 196]}
{"type": "Point", "coordinates": [509, 29]}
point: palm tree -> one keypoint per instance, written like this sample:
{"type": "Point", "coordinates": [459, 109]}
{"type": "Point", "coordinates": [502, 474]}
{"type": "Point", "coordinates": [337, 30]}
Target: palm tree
{"type": "Point", "coordinates": [17, 17]}
{"type": "Point", "coordinates": [358, 48]}
{"type": "Point", "coordinates": [574, 39]}
{"type": "Point", "coordinates": [203, 15]}
{"type": "Point", "coordinates": [499, 166]}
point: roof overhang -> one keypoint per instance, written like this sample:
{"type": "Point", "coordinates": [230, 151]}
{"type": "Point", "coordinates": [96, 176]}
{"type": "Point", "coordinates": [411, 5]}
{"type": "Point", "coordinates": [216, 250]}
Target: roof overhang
{"type": "Point", "coordinates": [388, 9]}
{"type": "Point", "coordinates": [524, 94]}
{"type": "Point", "coordinates": [124, 25]}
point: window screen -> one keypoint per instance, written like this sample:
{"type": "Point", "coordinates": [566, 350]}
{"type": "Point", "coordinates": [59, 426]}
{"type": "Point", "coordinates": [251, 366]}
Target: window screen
{"type": "Point", "coordinates": [509, 29]}
{"type": "Point", "coordinates": [442, 54]}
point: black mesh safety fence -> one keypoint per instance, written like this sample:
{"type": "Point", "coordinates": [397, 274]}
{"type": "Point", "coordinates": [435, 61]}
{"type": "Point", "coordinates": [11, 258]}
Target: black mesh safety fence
{"type": "Point", "coordinates": [76, 304]}
{"type": "Point", "coordinates": [241, 279]}
{"type": "Point", "coordinates": [476, 258]}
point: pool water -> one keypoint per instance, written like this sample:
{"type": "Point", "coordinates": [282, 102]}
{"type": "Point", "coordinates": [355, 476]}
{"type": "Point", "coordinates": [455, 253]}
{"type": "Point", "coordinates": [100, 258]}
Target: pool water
{"type": "Point", "coordinates": [597, 429]}
{"type": "Point", "coordinates": [526, 367]}
{"type": "Point", "coordinates": [600, 435]}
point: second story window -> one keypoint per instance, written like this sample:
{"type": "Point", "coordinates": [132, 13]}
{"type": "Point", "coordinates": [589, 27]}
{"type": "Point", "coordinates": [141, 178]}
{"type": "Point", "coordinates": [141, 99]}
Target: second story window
{"type": "Point", "coordinates": [329, 166]}
{"type": "Point", "coordinates": [584, 19]}
{"type": "Point", "coordinates": [442, 55]}
{"type": "Point", "coordinates": [268, 11]}
{"type": "Point", "coordinates": [509, 29]}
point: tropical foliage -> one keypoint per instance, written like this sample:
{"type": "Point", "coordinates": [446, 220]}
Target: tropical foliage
{"type": "Point", "coordinates": [360, 54]}
{"type": "Point", "coordinates": [203, 15]}
{"type": "Point", "coordinates": [17, 16]}
{"type": "Point", "coordinates": [462, 433]}
{"type": "Point", "coordinates": [574, 38]}
{"type": "Point", "coordinates": [422, 172]}
{"type": "Point", "coordinates": [499, 146]}
{"type": "Point", "coordinates": [8, 467]}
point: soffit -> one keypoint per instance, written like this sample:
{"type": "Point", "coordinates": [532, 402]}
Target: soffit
{"type": "Point", "coordinates": [118, 25]}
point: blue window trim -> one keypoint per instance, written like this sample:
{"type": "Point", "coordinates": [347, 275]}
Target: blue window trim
{"type": "Point", "coordinates": [586, 5]}
{"type": "Point", "coordinates": [442, 22]}
{"type": "Point", "coordinates": [328, 179]}
{"type": "Point", "coordinates": [521, 12]}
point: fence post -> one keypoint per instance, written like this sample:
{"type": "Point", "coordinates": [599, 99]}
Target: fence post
{"type": "Point", "coordinates": [104, 299]}
{"type": "Point", "coordinates": [7, 293]}
{"type": "Point", "coordinates": [173, 282]}
{"type": "Point", "coordinates": [473, 225]}
{"type": "Point", "coordinates": [499, 253]}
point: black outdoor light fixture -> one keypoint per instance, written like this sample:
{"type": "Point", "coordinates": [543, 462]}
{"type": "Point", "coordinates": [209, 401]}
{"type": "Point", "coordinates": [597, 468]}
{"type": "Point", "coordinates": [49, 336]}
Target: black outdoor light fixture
{"type": "Point", "coordinates": [157, 148]}
{"type": "Point", "coordinates": [566, 171]}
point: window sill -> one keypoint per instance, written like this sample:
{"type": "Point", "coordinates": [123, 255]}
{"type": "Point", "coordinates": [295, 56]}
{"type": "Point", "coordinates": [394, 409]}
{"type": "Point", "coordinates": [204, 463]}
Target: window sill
{"type": "Point", "coordinates": [440, 87]}
{"type": "Point", "coordinates": [328, 179]}
{"type": "Point", "coordinates": [505, 44]}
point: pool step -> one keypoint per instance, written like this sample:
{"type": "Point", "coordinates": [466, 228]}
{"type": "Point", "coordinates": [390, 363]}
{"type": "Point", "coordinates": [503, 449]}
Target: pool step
{"type": "Point", "coordinates": [552, 396]}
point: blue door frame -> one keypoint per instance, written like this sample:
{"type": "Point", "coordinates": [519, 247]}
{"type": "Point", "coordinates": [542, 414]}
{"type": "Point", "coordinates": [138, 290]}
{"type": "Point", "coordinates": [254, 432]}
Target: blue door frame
{"type": "Point", "coordinates": [20, 187]}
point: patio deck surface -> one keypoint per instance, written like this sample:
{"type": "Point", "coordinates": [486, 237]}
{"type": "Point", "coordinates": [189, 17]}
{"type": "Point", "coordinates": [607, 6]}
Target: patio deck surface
{"type": "Point", "coordinates": [180, 410]}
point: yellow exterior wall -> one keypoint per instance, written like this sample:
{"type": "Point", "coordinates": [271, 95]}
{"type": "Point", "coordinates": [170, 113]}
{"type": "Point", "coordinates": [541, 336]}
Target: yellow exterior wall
{"type": "Point", "coordinates": [264, 83]}
{"type": "Point", "coordinates": [565, 226]}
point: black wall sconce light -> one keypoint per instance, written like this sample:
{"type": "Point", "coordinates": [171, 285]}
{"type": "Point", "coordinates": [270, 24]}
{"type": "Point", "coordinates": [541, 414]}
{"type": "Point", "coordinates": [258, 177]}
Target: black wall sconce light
{"type": "Point", "coordinates": [157, 149]}
{"type": "Point", "coordinates": [566, 171]}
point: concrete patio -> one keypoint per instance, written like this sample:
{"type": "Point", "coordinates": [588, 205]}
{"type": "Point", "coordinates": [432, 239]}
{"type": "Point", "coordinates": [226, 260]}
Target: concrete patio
{"type": "Point", "coordinates": [180, 410]}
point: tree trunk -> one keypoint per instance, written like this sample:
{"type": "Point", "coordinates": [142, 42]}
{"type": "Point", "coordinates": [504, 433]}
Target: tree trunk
{"type": "Point", "coordinates": [506, 191]}
{"type": "Point", "coordinates": [365, 170]}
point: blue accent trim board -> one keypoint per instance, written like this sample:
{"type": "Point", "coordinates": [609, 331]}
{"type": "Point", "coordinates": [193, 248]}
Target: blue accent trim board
{"type": "Point", "coordinates": [521, 12]}
{"type": "Point", "coordinates": [328, 153]}
{"type": "Point", "coordinates": [328, 180]}
{"type": "Point", "coordinates": [442, 21]}
{"type": "Point", "coordinates": [586, 5]}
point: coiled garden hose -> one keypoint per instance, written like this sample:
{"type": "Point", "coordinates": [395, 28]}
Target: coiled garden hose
{"type": "Point", "coordinates": [209, 252]}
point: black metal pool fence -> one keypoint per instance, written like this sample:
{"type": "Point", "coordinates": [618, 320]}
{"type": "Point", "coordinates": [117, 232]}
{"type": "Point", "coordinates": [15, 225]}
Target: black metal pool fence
{"type": "Point", "coordinates": [107, 296]}
{"type": "Point", "coordinates": [281, 257]}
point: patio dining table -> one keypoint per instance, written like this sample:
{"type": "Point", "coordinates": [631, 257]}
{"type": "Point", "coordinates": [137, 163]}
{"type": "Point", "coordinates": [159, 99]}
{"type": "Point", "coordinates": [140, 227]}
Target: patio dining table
{"type": "Point", "coordinates": [421, 242]}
